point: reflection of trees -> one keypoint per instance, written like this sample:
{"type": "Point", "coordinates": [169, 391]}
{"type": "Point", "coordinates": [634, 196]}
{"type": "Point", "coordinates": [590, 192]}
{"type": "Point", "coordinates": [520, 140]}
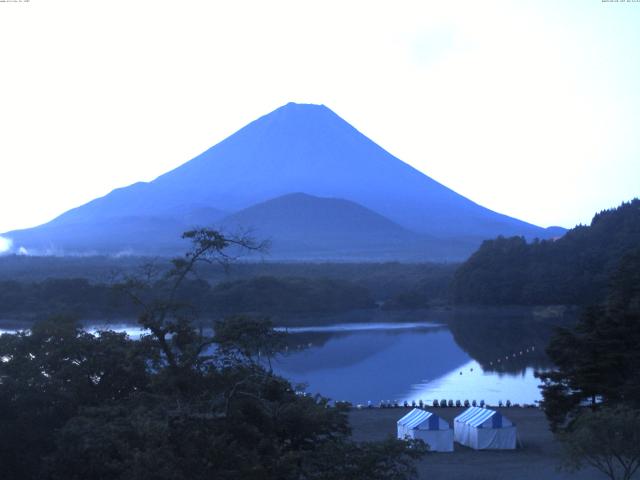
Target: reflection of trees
{"type": "Point", "coordinates": [354, 316]}
{"type": "Point", "coordinates": [302, 340]}
{"type": "Point", "coordinates": [504, 340]}
{"type": "Point", "coordinates": [296, 341]}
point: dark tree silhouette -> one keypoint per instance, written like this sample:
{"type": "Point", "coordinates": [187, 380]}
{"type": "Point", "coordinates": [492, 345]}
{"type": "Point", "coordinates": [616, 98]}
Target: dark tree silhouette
{"type": "Point", "coordinates": [180, 403]}
{"type": "Point", "coordinates": [572, 270]}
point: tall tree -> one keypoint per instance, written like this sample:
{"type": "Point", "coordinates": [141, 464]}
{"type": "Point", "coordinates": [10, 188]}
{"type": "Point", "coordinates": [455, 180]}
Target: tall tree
{"type": "Point", "coordinates": [598, 361]}
{"type": "Point", "coordinates": [607, 440]}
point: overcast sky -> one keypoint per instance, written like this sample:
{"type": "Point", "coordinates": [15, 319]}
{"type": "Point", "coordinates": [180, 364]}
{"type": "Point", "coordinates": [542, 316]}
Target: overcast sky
{"type": "Point", "coordinates": [529, 108]}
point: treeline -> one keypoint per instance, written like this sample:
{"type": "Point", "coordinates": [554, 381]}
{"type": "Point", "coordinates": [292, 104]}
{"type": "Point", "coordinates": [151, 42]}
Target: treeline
{"type": "Point", "coordinates": [314, 289]}
{"type": "Point", "coordinates": [383, 280]}
{"type": "Point", "coordinates": [288, 295]}
{"type": "Point", "coordinates": [76, 296]}
{"type": "Point", "coordinates": [264, 295]}
{"type": "Point", "coordinates": [432, 289]}
{"type": "Point", "coordinates": [571, 270]}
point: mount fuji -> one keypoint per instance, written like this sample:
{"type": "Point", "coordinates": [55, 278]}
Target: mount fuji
{"type": "Point", "coordinates": [299, 158]}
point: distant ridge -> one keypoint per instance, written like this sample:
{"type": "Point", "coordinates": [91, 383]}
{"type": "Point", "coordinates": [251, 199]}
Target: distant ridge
{"type": "Point", "coordinates": [305, 226]}
{"type": "Point", "coordinates": [296, 148]}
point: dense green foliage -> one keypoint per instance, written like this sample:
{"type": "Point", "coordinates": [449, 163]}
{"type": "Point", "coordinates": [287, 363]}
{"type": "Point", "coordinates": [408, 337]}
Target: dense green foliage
{"type": "Point", "coordinates": [433, 288]}
{"type": "Point", "coordinates": [598, 361]}
{"type": "Point", "coordinates": [316, 289]}
{"type": "Point", "coordinates": [382, 280]}
{"type": "Point", "coordinates": [607, 439]}
{"type": "Point", "coordinates": [288, 295]}
{"type": "Point", "coordinates": [592, 396]}
{"type": "Point", "coordinates": [572, 270]}
{"type": "Point", "coordinates": [267, 295]}
{"type": "Point", "coordinates": [177, 404]}
{"type": "Point", "coordinates": [48, 375]}
{"type": "Point", "coordinates": [78, 406]}
{"type": "Point", "coordinates": [61, 295]}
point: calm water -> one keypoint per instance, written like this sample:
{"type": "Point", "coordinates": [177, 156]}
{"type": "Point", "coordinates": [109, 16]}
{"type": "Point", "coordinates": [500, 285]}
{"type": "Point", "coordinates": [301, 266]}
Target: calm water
{"type": "Point", "coordinates": [398, 362]}
{"type": "Point", "coordinates": [461, 357]}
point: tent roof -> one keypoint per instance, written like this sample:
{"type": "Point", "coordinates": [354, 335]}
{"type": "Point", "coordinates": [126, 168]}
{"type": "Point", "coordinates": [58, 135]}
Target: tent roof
{"type": "Point", "coordinates": [476, 416]}
{"type": "Point", "coordinates": [417, 418]}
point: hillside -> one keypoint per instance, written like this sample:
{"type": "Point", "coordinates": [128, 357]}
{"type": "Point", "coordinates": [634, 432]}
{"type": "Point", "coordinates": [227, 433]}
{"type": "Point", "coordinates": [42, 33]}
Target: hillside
{"type": "Point", "coordinates": [117, 235]}
{"type": "Point", "coordinates": [571, 270]}
{"type": "Point", "coordinates": [303, 226]}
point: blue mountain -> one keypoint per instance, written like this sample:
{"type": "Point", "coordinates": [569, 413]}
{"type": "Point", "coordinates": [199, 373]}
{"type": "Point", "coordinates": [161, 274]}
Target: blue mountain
{"type": "Point", "coordinates": [301, 226]}
{"type": "Point", "coordinates": [296, 148]}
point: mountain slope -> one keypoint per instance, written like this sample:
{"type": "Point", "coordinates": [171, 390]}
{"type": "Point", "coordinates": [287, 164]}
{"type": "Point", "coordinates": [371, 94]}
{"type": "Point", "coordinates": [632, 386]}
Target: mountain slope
{"type": "Point", "coordinates": [296, 148]}
{"type": "Point", "coordinates": [301, 226]}
{"type": "Point", "coordinates": [129, 233]}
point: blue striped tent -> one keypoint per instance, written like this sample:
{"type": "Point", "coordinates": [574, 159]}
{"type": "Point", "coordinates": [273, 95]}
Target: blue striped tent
{"type": "Point", "coordinates": [483, 428]}
{"type": "Point", "coordinates": [428, 427]}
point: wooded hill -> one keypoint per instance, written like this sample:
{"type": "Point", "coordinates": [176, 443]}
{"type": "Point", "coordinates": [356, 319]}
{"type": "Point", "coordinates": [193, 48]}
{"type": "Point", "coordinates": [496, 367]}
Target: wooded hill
{"type": "Point", "coordinates": [573, 269]}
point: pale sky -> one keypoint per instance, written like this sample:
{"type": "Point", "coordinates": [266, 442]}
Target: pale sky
{"type": "Point", "coordinates": [530, 108]}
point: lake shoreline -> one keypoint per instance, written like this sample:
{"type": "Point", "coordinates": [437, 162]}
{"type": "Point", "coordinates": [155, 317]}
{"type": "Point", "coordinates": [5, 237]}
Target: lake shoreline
{"type": "Point", "coordinates": [440, 314]}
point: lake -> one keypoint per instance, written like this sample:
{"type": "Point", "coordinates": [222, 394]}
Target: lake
{"type": "Point", "coordinates": [472, 355]}
{"type": "Point", "coordinates": [375, 362]}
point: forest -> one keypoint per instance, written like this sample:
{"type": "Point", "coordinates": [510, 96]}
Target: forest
{"type": "Point", "coordinates": [571, 270]}
{"type": "Point", "coordinates": [271, 289]}
{"type": "Point", "coordinates": [267, 295]}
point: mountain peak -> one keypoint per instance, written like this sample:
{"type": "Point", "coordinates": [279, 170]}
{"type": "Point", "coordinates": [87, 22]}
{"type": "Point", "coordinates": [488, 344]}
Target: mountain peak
{"type": "Point", "coordinates": [301, 112]}
{"type": "Point", "coordinates": [304, 106]}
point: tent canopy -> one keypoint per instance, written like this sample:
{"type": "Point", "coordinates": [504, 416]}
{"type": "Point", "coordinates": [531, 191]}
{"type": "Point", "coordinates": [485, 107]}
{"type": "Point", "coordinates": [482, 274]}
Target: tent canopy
{"type": "Point", "coordinates": [478, 417]}
{"type": "Point", "coordinates": [418, 419]}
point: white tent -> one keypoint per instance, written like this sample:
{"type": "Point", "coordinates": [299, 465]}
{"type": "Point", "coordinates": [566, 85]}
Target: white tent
{"type": "Point", "coordinates": [428, 427]}
{"type": "Point", "coordinates": [482, 428]}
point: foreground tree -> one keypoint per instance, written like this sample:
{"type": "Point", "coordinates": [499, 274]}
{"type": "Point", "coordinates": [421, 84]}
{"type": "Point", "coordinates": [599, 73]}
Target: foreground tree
{"type": "Point", "coordinates": [608, 440]}
{"type": "Point", "coordinates": [598, 362]}
{"type": "Point", "coordinates": [48, 375]}
{"type": "Point", "coordinates": [592, 397]}
{"type": "Point", "coordinates": [181, 403]}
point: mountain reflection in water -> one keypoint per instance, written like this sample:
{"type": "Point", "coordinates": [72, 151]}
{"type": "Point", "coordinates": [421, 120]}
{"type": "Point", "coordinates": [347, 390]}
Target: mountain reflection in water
{"type": "Point", "coordinates": [476, 356]}
{"type": "Point", "coordinates": [480, 354]}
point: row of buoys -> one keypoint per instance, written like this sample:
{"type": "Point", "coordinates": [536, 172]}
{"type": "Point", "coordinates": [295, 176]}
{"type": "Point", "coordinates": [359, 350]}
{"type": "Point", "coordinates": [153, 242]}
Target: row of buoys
{"type": "Point", "coordinates": [444, 403]}
{"type": "Point", "coordinates": [436, 403]}
{"type": "Point", "coordinates": [300, 346]}
{"type": "Point", "coordinates": [532, 348]}
{"type": "Point", "coordinates": [449, 403]}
